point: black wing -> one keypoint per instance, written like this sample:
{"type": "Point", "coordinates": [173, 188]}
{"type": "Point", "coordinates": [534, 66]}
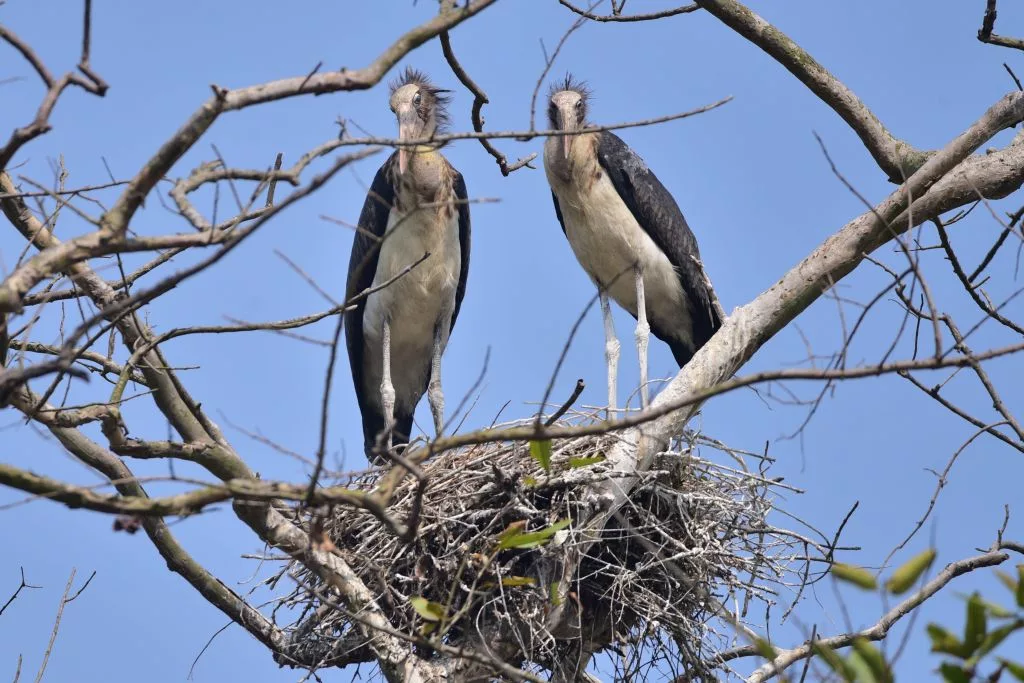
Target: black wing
{"type": "Point", "coordinates": [362, 266]}
{"type": "Point", "coordinates": [459, 185]}
{"type": "Point", "coordinates": [558, 211]}
{"type": "Point", "coordinates": [659, 216]}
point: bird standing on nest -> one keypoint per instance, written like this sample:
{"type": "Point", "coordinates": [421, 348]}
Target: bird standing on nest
{"type": "Point", "coordinates": [416, 206]}
{"type": "Point", "coordinates": [628, 233]}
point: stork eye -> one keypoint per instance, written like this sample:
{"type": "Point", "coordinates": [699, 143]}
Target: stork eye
{"type": "Point", "coordinates": [416, 100]}
{"type": "Point", "coordinates": [579, 104]}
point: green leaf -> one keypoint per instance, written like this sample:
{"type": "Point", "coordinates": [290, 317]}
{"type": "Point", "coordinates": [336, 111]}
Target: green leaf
{"type": "Point", "coordinates": [534, 538]}
{"type": "Point", "coordinates": [1007, 581]}
{"type": "Point", "coordinates": [997, 611]}
{"type": "Point", "coordinates": [997, 636]}
{"type": "Point", "coordinates": [530, 482]}
{"type": "Point", "coordinates": [953, 673]}
{"type": "Point", "coordinates": [575, 463]}
{"type": "Point", "coordinates": [541, 452]}
{"type": "Point", "coordinates": [858, 576]}
{"type": "Point", "coordinates": [429, 611]}
{"type": "Point", "coordinates": [907, 575]}
{"type": "Point", "coordinates": [944, 641]}
{"type": "Point", "coordinates": [976, 626]}
{"type": "Point", "coordinates": [765, 649]}
{"type": "Point", "coordinates": [834, 661]}
{"type": "Point", "coordinates": [1016, 670]}
{"type": "Point", "coordinates": [874, 659]}
{"type": "Point", "coordinates": [1020, 585]}
{"type": "Point", "coordinates": [862, 673]}
{"type": "Point", "coordinates": [513, 581]}
{"type": "Point", "coordinates": [556, 600]}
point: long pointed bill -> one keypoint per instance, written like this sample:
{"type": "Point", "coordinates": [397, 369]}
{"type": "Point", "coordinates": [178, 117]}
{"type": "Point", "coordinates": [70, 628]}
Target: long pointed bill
{"type": "Point", "coordinates": [404, 133]}
{"type": "Point", "coordinates": [569, 124]}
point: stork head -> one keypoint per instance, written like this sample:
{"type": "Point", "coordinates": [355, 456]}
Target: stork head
{"type": "Point", "coordinates": [567, 108]}
{"type": "Point", "coordinates": [421, 109]}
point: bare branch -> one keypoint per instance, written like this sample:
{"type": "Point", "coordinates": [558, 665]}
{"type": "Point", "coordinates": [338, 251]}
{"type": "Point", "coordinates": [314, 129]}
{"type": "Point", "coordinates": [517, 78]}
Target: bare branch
{"type": "Point", "coordinates": [988, 24]}
{"type": "Point", "coordinates": [685, 9]}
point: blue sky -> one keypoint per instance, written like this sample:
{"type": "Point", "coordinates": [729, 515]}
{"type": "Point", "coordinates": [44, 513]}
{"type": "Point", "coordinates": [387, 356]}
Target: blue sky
{"type": "Point", "coordinates": [750, 178]}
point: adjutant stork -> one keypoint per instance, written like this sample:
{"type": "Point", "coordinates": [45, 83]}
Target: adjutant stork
{"type": "Point", "coordinates": [629, 235]}
{"type": "Point", "coordinates": [416, 206]}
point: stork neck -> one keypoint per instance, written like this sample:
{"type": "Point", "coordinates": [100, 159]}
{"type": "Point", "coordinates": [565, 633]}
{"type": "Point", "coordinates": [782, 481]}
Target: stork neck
{"type": "Point", "coordinates": [425, 174]}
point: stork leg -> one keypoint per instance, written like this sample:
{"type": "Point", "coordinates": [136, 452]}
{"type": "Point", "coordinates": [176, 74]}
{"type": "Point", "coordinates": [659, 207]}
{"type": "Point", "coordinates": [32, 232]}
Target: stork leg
{"type": "Point", "coordinates": [643, 335]}
{"type": "Point", "coordinates": [434, 394]}
{"type": "Point", "coordinates": [611, 351]}
{"type": "Point", "coordinates": [387, 389]}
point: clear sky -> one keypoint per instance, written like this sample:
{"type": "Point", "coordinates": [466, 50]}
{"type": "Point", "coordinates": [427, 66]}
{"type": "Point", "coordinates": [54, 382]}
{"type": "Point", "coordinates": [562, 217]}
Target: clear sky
{"type": "Point", "coordinates": [750, 178]}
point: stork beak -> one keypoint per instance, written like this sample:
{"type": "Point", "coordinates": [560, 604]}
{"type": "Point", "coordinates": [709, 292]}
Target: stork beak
{"type": "Point", "coordinates": [567, 117]}
{"type": "Point", "coordinates": [406, 131]}
{"type": "Point", "coordinates": [403, 152]}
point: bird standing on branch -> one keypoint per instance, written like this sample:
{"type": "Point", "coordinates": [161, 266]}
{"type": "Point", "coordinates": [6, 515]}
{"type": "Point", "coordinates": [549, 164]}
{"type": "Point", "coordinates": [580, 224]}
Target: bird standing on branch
{"type": "Point", "coordinates": [415, 215]}
{"type": "Point", "coordinates": [628, 233]}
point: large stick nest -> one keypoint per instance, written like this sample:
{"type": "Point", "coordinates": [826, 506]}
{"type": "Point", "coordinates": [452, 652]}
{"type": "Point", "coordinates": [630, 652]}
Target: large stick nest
{"type": "Point", "coordinates": [694, 535]}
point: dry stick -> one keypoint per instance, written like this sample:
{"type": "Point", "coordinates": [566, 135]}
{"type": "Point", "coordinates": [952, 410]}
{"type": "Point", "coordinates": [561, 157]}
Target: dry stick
{"type": "Point", "coordinates": [479, 100]}
{"type": "Point", "coordinates": [64, 600]}
{"type": "Point", "coordinates": [242, 490]}
{"type": "Point", "coordinates": [321, 449]}
{"type": "Point", "coordinates": [939, 485]}
{"type": "Point", "coordinates": [685, 9]}
{"type": "Point", "coordinates": [124, 283]}
{"type": "Point", "coordinates": [998, 243]}
{"type": "Point", "coordinates": [568, 404]}
{"type": "Point", "coordinates": [913, 262]}
{"type": "Point", "coordinates": [988, 24]}
{"type": "Point", "coordinates": [966, 282]}
{"type": "Point", "coordinates": [549, 61]}
{"type": "Point", "coordinates": [24, 584]}
{"type": "Point", "coordinates": [41, 123]}
{"type": "Point", "coordinates": [986, 382]}
{"type": "Point", "coordinates": [61, 192]}
{"type": "Point", "coordinates": [934, 393]}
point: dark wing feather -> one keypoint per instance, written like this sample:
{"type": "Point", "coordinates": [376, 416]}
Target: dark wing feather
{"type": "Point", "coordinates": [659, 216]}
{"type": "Point", "coordinates": [558, 211]}
{"type": "Point", "coordinates": [459, 185]}
{"type": "Point", "coordinates": [362, 267]}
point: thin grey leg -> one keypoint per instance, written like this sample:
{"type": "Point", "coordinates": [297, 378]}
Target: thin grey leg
{"type": "Point", "coordinates": [643, 335]}
{"type": "Point", "coordinates": [387, 390]}
{"type": "Point", "coordinates": [611, 352]}
{"type": "Point", "coordinates": [434, 394]}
